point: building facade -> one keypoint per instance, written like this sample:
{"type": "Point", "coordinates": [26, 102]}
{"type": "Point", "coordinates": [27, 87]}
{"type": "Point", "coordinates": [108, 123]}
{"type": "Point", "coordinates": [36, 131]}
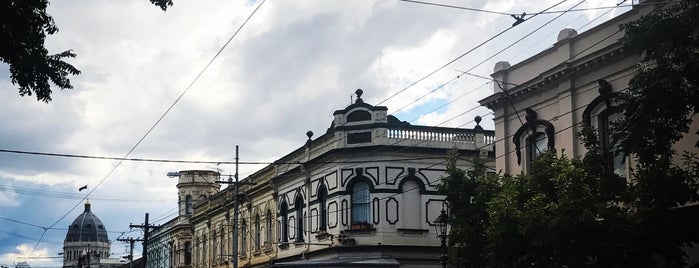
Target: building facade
{"type": "Point", "coordinates": [543, 102]}
{"type": "Point", "coordinates": [86, 241]}
{"type": "Point", "coordinates": [171, 244]}
{"type": "Point", "coordinates": [365, 191]}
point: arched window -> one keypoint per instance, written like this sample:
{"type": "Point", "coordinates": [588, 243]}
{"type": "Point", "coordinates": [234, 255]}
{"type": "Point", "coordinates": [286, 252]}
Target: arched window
{"type": "Point", "coordinates": [188, 205]}
{"type": "Point", "coordinates": [187, 253]}
{"type": "Point", "coordinates": [298, 205]}
{"type": "Point", "coordinates": [536, 145]}
{"type": "Point", "coordinates": [257, 231]}
{"type": "Point", "coordinates": [268, 224]}
{"type": "Point", "coordinates": [322, 208]}
{"type": "Point", "coordinates": [603, 107]}
{"type": "Point", "coordinates": [284, 214]}
{"type": "Point", "coordinates": [411, 201]}
{"type": "Point", "coordinates": [222, 244]}
{"type": "Point", "coordinates": [359, 115]}
{"type": "Point", "coordinates": [243, 238]}
{"type": "Point", "coordinates": [213, 245]}
{"type": "Point", "coordinates": [609, 148]}
{"type": "Point", "coordinates": [537, 135]}
{"type": "Point", "coordinates": [360, 203]}
{"type": "Point", "coordinates": [204, 254]}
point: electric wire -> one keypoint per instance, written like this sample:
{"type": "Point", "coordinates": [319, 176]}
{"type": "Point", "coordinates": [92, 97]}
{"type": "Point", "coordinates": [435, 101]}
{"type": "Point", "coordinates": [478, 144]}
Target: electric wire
{"type": "Point", "coordinates": [462, 55]}
{"type": "Point", "coordinates": [69, 195]}
{"type": "Point", "coordinates": [547, 12]}
{"type": "Point", "coordinates": [174, 160]}
{"type": "Point", "coordinates": [15, 234]}
{"type": "Point", "coordinates": [156, 122]}
{"type": "Point", "coordinates": [490, 57]}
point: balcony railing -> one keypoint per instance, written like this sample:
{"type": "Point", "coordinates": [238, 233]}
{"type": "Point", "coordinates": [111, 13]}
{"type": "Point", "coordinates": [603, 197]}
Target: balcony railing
{"type": "Point", "coordinates": [455, 135]}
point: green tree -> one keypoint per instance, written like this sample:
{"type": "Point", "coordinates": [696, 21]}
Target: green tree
{"type": "Point", "coordinates": [468, 196]}
{"type": "Point", "coordinates": [24, 25]}
{"type": "Point", "coordinates": [658, 110]}
{"type": "Point", "coordinates": [563, 213]}
{"type": "Point", "coordinates": [663, 96]}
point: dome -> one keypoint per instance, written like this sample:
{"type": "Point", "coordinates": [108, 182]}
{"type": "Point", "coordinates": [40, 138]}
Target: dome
{"type": "Point", "coordinates": [87, 228]}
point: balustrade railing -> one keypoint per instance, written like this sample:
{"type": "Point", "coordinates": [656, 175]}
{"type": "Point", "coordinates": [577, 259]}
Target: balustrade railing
{"type": "Point", "coordinates": [441, 134]}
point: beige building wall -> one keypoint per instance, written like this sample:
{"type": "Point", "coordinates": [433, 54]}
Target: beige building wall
{"type": "Point", "coordinates": [559, 84]}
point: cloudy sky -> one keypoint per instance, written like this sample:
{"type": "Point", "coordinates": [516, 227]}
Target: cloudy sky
{"type": "Point", "coordinates": [287, 70]}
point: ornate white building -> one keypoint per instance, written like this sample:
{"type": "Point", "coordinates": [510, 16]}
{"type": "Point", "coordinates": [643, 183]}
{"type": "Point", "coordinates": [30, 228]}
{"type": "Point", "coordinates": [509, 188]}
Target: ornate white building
{"type": "Point", "coordinates": [86, 241]}
{"type": "Point", "coordinates": [363, 192]}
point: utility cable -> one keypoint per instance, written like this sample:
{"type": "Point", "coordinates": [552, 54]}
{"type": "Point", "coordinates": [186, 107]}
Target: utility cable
{"type": "Point", "coordinates": [156, 122]}
{"type": "Point", "coordinates": [464, 54]}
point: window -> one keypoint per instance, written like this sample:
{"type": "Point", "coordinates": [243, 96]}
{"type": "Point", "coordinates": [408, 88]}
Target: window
{"type": "Point", "coordinates": [359, 115]}
{"type": "Point", "coordinates": [536, 145]}
{"type": "Point", "coordinates": [615, 161]}
{"type": "Point", "coordinates": [540, 140]}
{"type": "Point", "coordinates": [298, 205]}
{"type": "Point", "coordinates": [221, 246]}
{"type": "Point", "coordinates": [322, 208]}
{"type": "Point", "coordinates": [268, 236]}
{"type": "Point", "coordinates": [243, 238]}
{"type": "Point", "coordinates": [187, 253]}
{"type": "Point", "coordinates": [411, 200]}
{"type": "Point", "coordinates": [203, 249]}
{"type": "Point", "coordinates": [602, 106]}
{"type": "Point", "coordinates": [284, 213]}
{"type": "Point", "coordinates": [188, 205]}
{"type": "Point", "coordinates": [257, 231]}
{"type": "Point", "coordinates": [360, 203]}
{"type": "Point", "coordinates": [214, 245]}
{"type": "Point", "coordinates": [197, 251]}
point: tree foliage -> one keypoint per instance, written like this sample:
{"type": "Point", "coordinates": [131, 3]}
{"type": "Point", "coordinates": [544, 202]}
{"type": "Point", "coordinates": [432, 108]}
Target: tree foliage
{"type": "Point", "coordinates": [567, 213]}
{"type": "Point", "coordinates": [162, 4]}
{"type": "Point", "coordinates": [24, 25]}
{"type": "Point", "coordinates": [664, 95]}
{"type": "Point", "coordinates": [561, 214]}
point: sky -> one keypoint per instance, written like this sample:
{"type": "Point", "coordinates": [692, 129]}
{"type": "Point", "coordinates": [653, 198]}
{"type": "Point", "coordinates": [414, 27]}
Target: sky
{"type": "Point", "coordinates": [286, 71]}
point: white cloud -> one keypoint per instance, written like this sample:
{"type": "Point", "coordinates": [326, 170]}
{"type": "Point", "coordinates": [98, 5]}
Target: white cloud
{"type": "Point", "coordinates": [27, 253]}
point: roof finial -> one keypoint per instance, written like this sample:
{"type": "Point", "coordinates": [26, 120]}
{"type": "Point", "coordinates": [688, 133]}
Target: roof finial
{"type": "Point", "coordinates": [478, 123]}
{"type": "Point", "coordinates": [87, 205]}
{"type": "Point", "coordinates": [359, 93]}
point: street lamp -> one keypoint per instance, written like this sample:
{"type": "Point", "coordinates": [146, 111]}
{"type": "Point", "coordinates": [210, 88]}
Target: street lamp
{"type": "Point", "coordinates": [440, 225]}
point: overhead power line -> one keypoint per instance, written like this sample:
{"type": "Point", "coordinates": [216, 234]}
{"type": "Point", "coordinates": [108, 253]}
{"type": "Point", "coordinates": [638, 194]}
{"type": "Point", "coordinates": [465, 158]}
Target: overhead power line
{"type": "Point", "coordinates": [458, 7]}
{"type": "Point", "coordinates": [70, 195]}
{"type": "Point", "coordinates": [156, 122]}
{"type": "Point", "coordinates": [466, 53]}
{"type": "Point", "coordinates": [545, 12]}
{"type": "Point", "coordinates": [189, 161]}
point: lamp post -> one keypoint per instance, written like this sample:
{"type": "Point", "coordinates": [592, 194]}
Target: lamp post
{"type": "Point", "coordinates": [440, 225]}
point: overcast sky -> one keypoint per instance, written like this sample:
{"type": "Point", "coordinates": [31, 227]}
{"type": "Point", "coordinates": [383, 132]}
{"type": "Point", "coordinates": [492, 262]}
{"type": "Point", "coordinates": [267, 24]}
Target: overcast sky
{"type": "Point", "coordinates": [286, 71]}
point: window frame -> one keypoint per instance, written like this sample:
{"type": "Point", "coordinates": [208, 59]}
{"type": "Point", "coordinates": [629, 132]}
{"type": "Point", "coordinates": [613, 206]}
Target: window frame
{"type": "Point", "coordinates": [606, 146]}
{"type": "Point", "coordinates": [357, 218]}
{"type": "Point", "coordinates": [298, 206]}
{"type": "Point", "coordinates": [284, 228]}
{"type": "Point", "coordinates": [322, 208]}
{"type": "Point", "coordinates": [257, 231]}
{"type": "Point", "coordinates": [243, 238]}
